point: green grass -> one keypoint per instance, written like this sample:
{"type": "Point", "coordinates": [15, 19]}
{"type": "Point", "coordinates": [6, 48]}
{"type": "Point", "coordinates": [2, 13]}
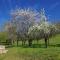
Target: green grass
{"type": "Point", "coordinates": [36, 53]}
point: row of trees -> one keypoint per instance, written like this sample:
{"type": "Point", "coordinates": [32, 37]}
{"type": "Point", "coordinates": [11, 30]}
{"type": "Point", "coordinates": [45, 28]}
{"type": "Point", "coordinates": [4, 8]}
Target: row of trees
{"type": "Point", "coordinates": [29, 25]}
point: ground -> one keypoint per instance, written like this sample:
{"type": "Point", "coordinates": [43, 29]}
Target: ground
{"type": "Point", "coordinates": [38, 52]}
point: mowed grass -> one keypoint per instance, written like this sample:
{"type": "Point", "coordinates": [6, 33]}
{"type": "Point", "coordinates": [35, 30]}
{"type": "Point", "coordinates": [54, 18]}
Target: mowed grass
{"type": "Point", "coordinates": [35, 53]}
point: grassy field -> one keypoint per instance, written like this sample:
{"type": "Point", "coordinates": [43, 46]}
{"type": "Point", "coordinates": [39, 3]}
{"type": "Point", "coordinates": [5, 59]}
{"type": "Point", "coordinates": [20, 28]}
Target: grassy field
{"type": "Point", "coordinates": [36, 53]}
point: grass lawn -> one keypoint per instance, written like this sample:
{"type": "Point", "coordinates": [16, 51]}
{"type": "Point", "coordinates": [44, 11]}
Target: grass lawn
{"type": "Point", "coordinates": [36, 53]}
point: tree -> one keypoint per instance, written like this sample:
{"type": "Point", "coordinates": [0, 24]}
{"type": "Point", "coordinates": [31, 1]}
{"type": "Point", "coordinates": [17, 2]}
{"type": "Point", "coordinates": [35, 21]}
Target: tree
{"type": "Point", "coordinates": [42, 30]}
{"type": "Point", "coordinates": [58, 26]}
{"type": "Point", "coordinates": [10, 29]}
{"type": "Point", "coordinates": [22, 19]}
{"type": "Point", "coordinates": [24, 24]}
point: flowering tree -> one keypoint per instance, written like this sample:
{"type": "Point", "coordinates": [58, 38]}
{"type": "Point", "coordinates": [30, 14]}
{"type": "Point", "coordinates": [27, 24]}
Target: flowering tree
{"type": "Point", "coordinates": [42, 30]}
{"type": "Point", "coordinates": [58, 26]}
{"type": "Point", "coordinates": [10, 29]}
{"type": "Point", "coordinates": [22, 19]}
{"type": "Point", "coordinates": [24, 24]}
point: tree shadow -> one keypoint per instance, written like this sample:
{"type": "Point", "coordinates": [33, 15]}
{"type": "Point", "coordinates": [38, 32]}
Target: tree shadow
{"type": "Point", "coordinates": [52, 45]}
{"type": "Point", "coordinates": [39, 45]}
{"type": "Point", "coordinates": [57, 45]}
{"type": "Point", "coordinates": [9, 46]}
{"type": "Point", "coordinates": [33, 46]}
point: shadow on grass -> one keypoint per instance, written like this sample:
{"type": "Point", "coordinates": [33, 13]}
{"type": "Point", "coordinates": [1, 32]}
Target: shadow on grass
{"type": "Point", "coordinates": [54, 45]}
{"type": "Point", "coordinates": [39, 45]}
{"type": "Point", "coordinates": [57, 45]}
{"type": "Point", "coordinates": [33, 46]}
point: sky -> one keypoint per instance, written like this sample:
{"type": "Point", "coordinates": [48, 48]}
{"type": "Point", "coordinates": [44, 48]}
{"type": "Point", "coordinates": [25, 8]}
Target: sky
{"type": "Point", "coordinates": [52, 8]}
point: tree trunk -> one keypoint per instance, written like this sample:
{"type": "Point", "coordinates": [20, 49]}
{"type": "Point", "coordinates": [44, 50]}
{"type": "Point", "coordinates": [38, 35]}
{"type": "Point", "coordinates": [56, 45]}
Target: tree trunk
{"type": "Point", "coordinates": [37, 41]}
{"type": "Point", "coordinates": [17, 42]}
{"type": "Point", "coordinates": [30, 42]}
{"type": "Point", "coordinates": [24, 42]}
{"type": "Point", "coordinates": [45, 42]}
{"type": "Point", "coordinates": [48, 41]}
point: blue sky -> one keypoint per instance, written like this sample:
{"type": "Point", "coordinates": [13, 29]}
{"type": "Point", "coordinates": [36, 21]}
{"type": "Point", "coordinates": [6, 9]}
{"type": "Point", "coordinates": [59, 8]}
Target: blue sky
{"type": "Point", "coordinates": [52, 8]}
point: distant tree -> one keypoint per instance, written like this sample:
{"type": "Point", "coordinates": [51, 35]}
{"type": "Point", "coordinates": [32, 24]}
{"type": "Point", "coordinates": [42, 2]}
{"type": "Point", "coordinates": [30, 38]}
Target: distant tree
{"type": "Point", "coordinates": [58, 26]}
